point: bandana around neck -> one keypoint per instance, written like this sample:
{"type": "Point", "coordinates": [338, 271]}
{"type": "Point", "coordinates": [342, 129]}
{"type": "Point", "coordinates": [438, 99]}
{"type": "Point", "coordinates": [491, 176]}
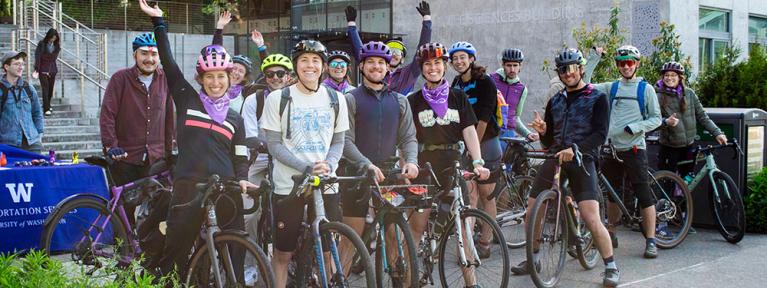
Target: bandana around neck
{"type": "Point", "coordinates": [340, 87]}
{"type": "Point", "coordinates": [234, 91]}
{"type": "Point", "coordinates": [437, 98]}
{"type": "Point", "coordinates": [676, 91]}
{"type": "Point", "coordinates": [217, 108]}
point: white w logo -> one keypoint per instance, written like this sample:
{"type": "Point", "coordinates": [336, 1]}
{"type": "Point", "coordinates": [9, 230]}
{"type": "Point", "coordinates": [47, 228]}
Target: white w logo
{"type": "Point", "coordinates": [20, 192]}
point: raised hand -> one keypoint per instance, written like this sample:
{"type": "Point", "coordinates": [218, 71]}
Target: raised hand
{"type": "Point", "coordinates": [672, 120]}
{"type": "Point", "coordinates": [538, 124]}
{"type": "Point", "coordinates": [257, 38]}
{"type": "Point", "coordinates": [223, 19]}
{"type": "Point", "coordinates": [351, 14]}
{"type": "Point", "coordinates": [424, 9]}
{"type": "Point", "coordinates": [149, 10]}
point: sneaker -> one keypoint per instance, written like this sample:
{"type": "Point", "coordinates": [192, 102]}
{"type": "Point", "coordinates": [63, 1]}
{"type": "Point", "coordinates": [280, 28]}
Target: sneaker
{"type": "Point", "coordinates": [612, 277]}
{"type": "Point", "coordinates": [48, 113]}
{"type": "Point", "coordinates": [613, 239]}
{"type": "Point", "coordinates": [650, 251]}
{"type": "Point", "coordinates": [483, 250]}
{"type": "Point", "coordinates": [521, 268]}
{"type": "Point", "coordinates": [664, 233]}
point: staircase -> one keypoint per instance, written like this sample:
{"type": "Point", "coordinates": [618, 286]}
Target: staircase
{"type": "Point", "coordinates": [66, 131]}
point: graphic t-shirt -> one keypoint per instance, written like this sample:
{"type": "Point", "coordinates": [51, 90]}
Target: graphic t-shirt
{"type": "Point", "coordinates": [312, 121]}
{"type": "Point", "coordinates": [434, 130]}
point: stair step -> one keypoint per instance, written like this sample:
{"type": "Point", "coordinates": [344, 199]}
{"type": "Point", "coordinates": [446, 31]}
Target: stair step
{"type": "Point", "coordinates": [56, 122]}
{"type": "Point", "coordinates": [65, 107]}
{"type": "Point", "coordinates": [65, 114]}
{"type": "Point", "coordinates": [74, 145]}
{"type": "Point", "coordinates": [59, 100]}
{"type": "Point", "coordinates": [71, 129]}
{"type": "Point", "coordinates": [70, 137]}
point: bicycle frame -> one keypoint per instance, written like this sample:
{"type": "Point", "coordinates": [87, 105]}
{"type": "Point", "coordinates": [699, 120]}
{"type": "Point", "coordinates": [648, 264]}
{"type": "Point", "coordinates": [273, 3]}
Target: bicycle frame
{"type": "Point", "coordinates": [455, 215]}
{"type": "Point", "coordinates": [708, 170]}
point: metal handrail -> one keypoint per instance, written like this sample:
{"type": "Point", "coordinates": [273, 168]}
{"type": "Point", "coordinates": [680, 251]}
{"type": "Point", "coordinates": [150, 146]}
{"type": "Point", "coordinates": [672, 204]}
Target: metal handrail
{"type": "Point", "coordinates": [70, 53]}
{"type": "Point", "coordinates": [57, 21]}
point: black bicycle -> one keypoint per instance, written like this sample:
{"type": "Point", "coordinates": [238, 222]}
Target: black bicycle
{"type": "Point", "coordinates": [512, 190]}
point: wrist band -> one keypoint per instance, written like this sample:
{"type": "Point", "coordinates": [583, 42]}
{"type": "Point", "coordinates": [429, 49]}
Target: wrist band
{"type": "Point", "coordinates": [262, 48]}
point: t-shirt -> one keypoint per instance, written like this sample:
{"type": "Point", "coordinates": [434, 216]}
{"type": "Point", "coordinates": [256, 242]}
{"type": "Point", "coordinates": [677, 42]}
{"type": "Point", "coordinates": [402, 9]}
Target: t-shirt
{"type": "Point", "coordinates": [146, 79]}
{"type": "Point", "coordinates": [434, 130]}
{"type": "Point", "coordinates": [312, 121]}
{"type": "Point", "coordinates": [483, 97]}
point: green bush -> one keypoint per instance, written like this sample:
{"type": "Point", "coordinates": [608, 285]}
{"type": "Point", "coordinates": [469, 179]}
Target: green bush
{"type": "Point", "coordinates": [729, 83]}
{"type": "Point", "coordinates": [756, 203]}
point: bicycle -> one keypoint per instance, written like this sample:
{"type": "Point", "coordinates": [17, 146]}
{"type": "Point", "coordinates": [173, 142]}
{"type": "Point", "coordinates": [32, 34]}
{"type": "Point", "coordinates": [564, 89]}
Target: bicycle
{"type": "Point", "coordinates": [673, 208]}
{"type": "Point", "coordinates": [726, 200]}
{"type": "Point", "coordinates": [226, 262]}
{"type": "Point", "coordinates": [310, 267]}
{"type": "Point", "coordinates": [96, 232]}
{"type": "Point", "coordinates": [457, 221]}
{"type": "Point", "coordinates": [512, 190]}
{"type": "Point", "coordinates": [552, 222]}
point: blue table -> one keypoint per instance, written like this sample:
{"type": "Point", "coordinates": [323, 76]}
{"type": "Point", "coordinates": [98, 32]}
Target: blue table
{"type": "Point", "coordinates": [29, 194]}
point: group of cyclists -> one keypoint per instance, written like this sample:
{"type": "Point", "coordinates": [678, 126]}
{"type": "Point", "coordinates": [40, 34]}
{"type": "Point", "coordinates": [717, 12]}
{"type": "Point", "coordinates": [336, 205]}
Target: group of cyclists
{"type": "Point", "coordinates": [307, 112]}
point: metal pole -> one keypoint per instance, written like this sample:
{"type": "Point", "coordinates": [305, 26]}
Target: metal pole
{"type": "Point", "coordinates": [15, 14]}
{"type": "Point", "coordinates": [186, 7]}
{"type": "Point", "coordinates": [81, 72]}
{"type": "Point", "coordinates": [91, 13]}
{"type": "Point", "coordinates": [36, 15]}
{"type": "Point", "coordinates": [29, 52]}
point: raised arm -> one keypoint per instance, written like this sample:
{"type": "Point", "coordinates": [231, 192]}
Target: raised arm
{"type": "Point", "coordinates": [223, 19]}
{"type": "Point", "coordinates": [353, 33]}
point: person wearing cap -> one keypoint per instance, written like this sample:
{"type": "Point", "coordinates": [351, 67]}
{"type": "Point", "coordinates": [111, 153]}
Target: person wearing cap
{"type": "Point", "coordinates": [21, 115]}
{"type": "Point", "coordinates": [308, 134]}
{"type": "Point", "coordinates": [401, 78]}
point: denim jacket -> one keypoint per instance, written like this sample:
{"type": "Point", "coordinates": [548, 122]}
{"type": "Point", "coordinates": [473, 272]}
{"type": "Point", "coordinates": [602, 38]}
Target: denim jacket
{"type": "Point", "coordinates": [22, 116]}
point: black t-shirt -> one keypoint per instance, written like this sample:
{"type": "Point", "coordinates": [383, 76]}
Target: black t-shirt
{"type": "Point", "coordinates": [483, 97]}
{"type": "Point", "coordinates": [447, 130]}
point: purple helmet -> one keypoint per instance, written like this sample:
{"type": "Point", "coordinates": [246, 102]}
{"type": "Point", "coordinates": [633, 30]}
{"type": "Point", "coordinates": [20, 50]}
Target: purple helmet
{"type": "Point", "coordinates": [375, 49]}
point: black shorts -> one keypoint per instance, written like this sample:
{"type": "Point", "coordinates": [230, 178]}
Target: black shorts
{"type": "Point", "coordinates": [584, 187]}
{"type": "Point", "coordinates": [289, 214]}
{"type": "Point", "coordinates": [351, 193]}
{"type": "Point", "coordinates": [440, 160]}
{"type": "Point", "coordinates": [633, 169]}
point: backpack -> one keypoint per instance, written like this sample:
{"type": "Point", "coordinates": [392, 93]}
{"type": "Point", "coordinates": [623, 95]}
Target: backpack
{"type": "Point", "coordinates": [286, 99]}
{"type": "Point", "coordinates": [640, 96]}
{"type": "Point", "coordinates": [502, 113]}
{"type": "Point", "coordinates": [260, 98]}
{"type": "Point", "coordinates": [5, 91]}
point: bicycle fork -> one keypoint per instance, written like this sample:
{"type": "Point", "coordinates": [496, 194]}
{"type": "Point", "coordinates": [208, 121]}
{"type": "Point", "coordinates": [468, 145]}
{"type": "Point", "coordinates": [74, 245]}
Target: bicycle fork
{"type": "Point", "coordinates": [459, 227]}
{"type": "Point", "coordinates": [212, 229]}
{"type": "Point", "coordinates": [319, 208]}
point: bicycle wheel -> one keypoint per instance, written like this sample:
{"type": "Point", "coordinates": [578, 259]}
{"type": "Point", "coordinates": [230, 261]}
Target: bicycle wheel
{"type": "Point", "coordinates": [586, 250]}
{"type": "Point", "coordinates": [489, 272]}
{"type": "Point", "coordinates": [512, 206]}
{"type": "Point", "coordinates": [232, 249]}
{"type": "Point", "coordinates": [728, 211]}
{"type": "Point", "coordinates": [547, 263]}
{"type": "Point", "coordinates": [86, 236]}
{"type": "Point", "coordinates": [337, 266]}
{"type": "Point", "coordinates": [674, 208]}
{"type": "Point", "coordinates": [401, 269]}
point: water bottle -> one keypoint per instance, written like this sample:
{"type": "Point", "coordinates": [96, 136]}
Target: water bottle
{"type": "Point", "coordinates": [688, 179]}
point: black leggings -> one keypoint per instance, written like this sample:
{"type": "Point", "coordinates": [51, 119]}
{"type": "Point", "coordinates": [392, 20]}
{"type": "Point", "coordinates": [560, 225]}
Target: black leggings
{"type": "Point", "coordinates": [668, 157]}
{"type": "Point", "coordinates": [633, 169]}
{"type": "Point", "coordinates": [47, 81]}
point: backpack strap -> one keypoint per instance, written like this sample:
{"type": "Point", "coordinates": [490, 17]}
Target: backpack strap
{"type": "Point", "coordinates": [613, 92]}
{"type": "Point", "coordinates": [285, 99]}
{"type": "Point", "coordinates": [4, 91]}
{"type": "Point", "coordinates": [260, 97]}
{"type": "Point", "coordinates": [640, 98]}
{"type": "Point", "coordinates": [333, 103]}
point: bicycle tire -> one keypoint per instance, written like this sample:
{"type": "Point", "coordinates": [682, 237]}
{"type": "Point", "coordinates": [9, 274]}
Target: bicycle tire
{"type": "Point", "coordinates": [502, 250]}
{"type": "Point", "coordinates": [411, 264]}
{"type": "Point", "coordinates": [682, 205]}
{"type": "Point", "coordinates": [587, 253]}
{"type": "Point", "coordinates": [512, 207]}
{"type": "Point", "coordinates": [119, 235]}
{"type": "Point", "coordinates": [326, 230]}
{"type": "Point", "coordinates": [730, 216]}
{"type": "Point", "coordinates": [542, 210]}
{"type": "Point", "coordinates": [222, 240]}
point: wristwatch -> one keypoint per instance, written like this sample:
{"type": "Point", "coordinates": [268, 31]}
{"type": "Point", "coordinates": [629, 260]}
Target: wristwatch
{"type": "Point", "coordinates": [481, 162]}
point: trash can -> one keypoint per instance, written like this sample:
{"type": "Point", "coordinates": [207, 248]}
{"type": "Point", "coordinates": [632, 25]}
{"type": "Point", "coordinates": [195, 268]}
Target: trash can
{"type": "Point", "coordinates": [748, 125]}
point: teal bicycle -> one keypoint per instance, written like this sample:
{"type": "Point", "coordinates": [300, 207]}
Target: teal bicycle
{"type": "Point", "coordinates": [726, 200]}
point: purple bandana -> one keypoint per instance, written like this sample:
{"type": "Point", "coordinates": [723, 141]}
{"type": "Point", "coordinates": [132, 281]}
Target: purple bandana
{"type": "Point", "coordinates": [234, 91]}
{"type": "Point", "coordinates": [676, 91]}
{"type": "Point", "coordinates": [437, 98]}
{"type": "Point", "coordinates": [217, 108]}
{"type": "Point", "coordinates": [340, 87]}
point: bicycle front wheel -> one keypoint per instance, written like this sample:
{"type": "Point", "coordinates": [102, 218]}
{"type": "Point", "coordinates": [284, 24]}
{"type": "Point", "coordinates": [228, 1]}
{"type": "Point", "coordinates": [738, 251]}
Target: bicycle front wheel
{"type": "Point", "coordinates": [340, 237]}
{"type": "Point", "coordinates": [512, 206]}
{"type": "Point", "coordinates": [233, 249]}
{"type": "Point", "coordinates": [396, 258]}
{"type": "Point", "coordinates": [586, 250]}
{"type": "Point", "coordinates": [488, 272]}
{"type": "Point", "coordinates": [547, 240]}
{"type": "Point", "coordinates": [727, 204]}
{"type": "Point", "coordinates": [86, 236]}
{"type": "Point", "coordinates": [674, 208]}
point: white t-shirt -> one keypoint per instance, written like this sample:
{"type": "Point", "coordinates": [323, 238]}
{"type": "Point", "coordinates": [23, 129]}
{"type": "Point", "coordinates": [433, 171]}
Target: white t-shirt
{"type": "Point", "coordinates": [312, 123]}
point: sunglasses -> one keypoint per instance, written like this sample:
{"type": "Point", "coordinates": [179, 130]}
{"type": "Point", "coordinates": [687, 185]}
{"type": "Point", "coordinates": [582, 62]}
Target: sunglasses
{"type": "Point", "coordinates": [396, 51]}
{"type": "Point", "coordinates": [568, 69]}
{"type": "Point", "coordinates": [279, 74]}
{"type": "Point", "coordinates": [626, 63]}
{"type": "Point", "coordinates": [338, 64]}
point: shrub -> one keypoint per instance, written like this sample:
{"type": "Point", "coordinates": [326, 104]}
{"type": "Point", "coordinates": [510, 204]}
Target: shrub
{"type": "Point", "coordinates": [729, 83]}
{"type": "Point", "coordinates": [756, 203]}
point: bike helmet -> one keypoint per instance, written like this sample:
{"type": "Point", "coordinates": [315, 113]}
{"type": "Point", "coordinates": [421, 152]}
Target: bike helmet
{"type": "Point", "coordinates": [568, 56]}
{"type": "Point", "coordinates": [277, 59]}
{"type": "Point", "coordinates": [310, 46]}
{"type": "Point", "coordinates": [213, 58]}
{"type": "Point", "coordinates": [463, 46]}
{"type": "Point", "coordinates": [399, 45]}
{"type": "Point", "coordinates": [430, 51]}
{"type": "Point", "coordinates": [375, 49]}
{"type": "Point", "coordinates": [244, 61]}
{"type": "Point", "coordinates": [672, 66]}
{"type": "Point", "coordinates": [627, 52]}
{"type": "Point", "coordinates": [144, 40]}
{"type": "Point", "coordinates": [338, 54]}
{"type": "Point", "coordinates": [512, 55]}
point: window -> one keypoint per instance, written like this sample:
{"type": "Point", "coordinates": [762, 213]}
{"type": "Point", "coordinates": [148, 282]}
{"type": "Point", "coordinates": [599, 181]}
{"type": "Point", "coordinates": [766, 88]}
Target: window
{"type": "Point", "coordinates": [757, 33]}
{"type": "Point", "coordinates": [715, 35]}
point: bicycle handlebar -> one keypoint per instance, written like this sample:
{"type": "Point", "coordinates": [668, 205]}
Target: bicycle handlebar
{"type": "Point", "coordinates": [391, 174]}
{"type": "Point", "coordinates": [734, 145]}
{"type": "Point", "coordinates": [577, 158]}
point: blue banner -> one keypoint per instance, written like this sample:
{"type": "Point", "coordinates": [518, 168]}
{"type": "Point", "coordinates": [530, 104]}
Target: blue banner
{"type": "Point", "coordinates": [29, 194]}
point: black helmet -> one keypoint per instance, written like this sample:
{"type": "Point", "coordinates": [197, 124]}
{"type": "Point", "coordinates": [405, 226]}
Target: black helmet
{"type": "Point", "coordinates": [310, 46]}
{"type": "Point", "coordinates": [429, 51]}
{"type": "Point", "coordinates": [338, 54]}
{"type": "Point", "coordinates": [672, 66]}
{"type": "Point", "coordinates": [568, 56]}
{"type": "Point", "coordinates": [512, 55]}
